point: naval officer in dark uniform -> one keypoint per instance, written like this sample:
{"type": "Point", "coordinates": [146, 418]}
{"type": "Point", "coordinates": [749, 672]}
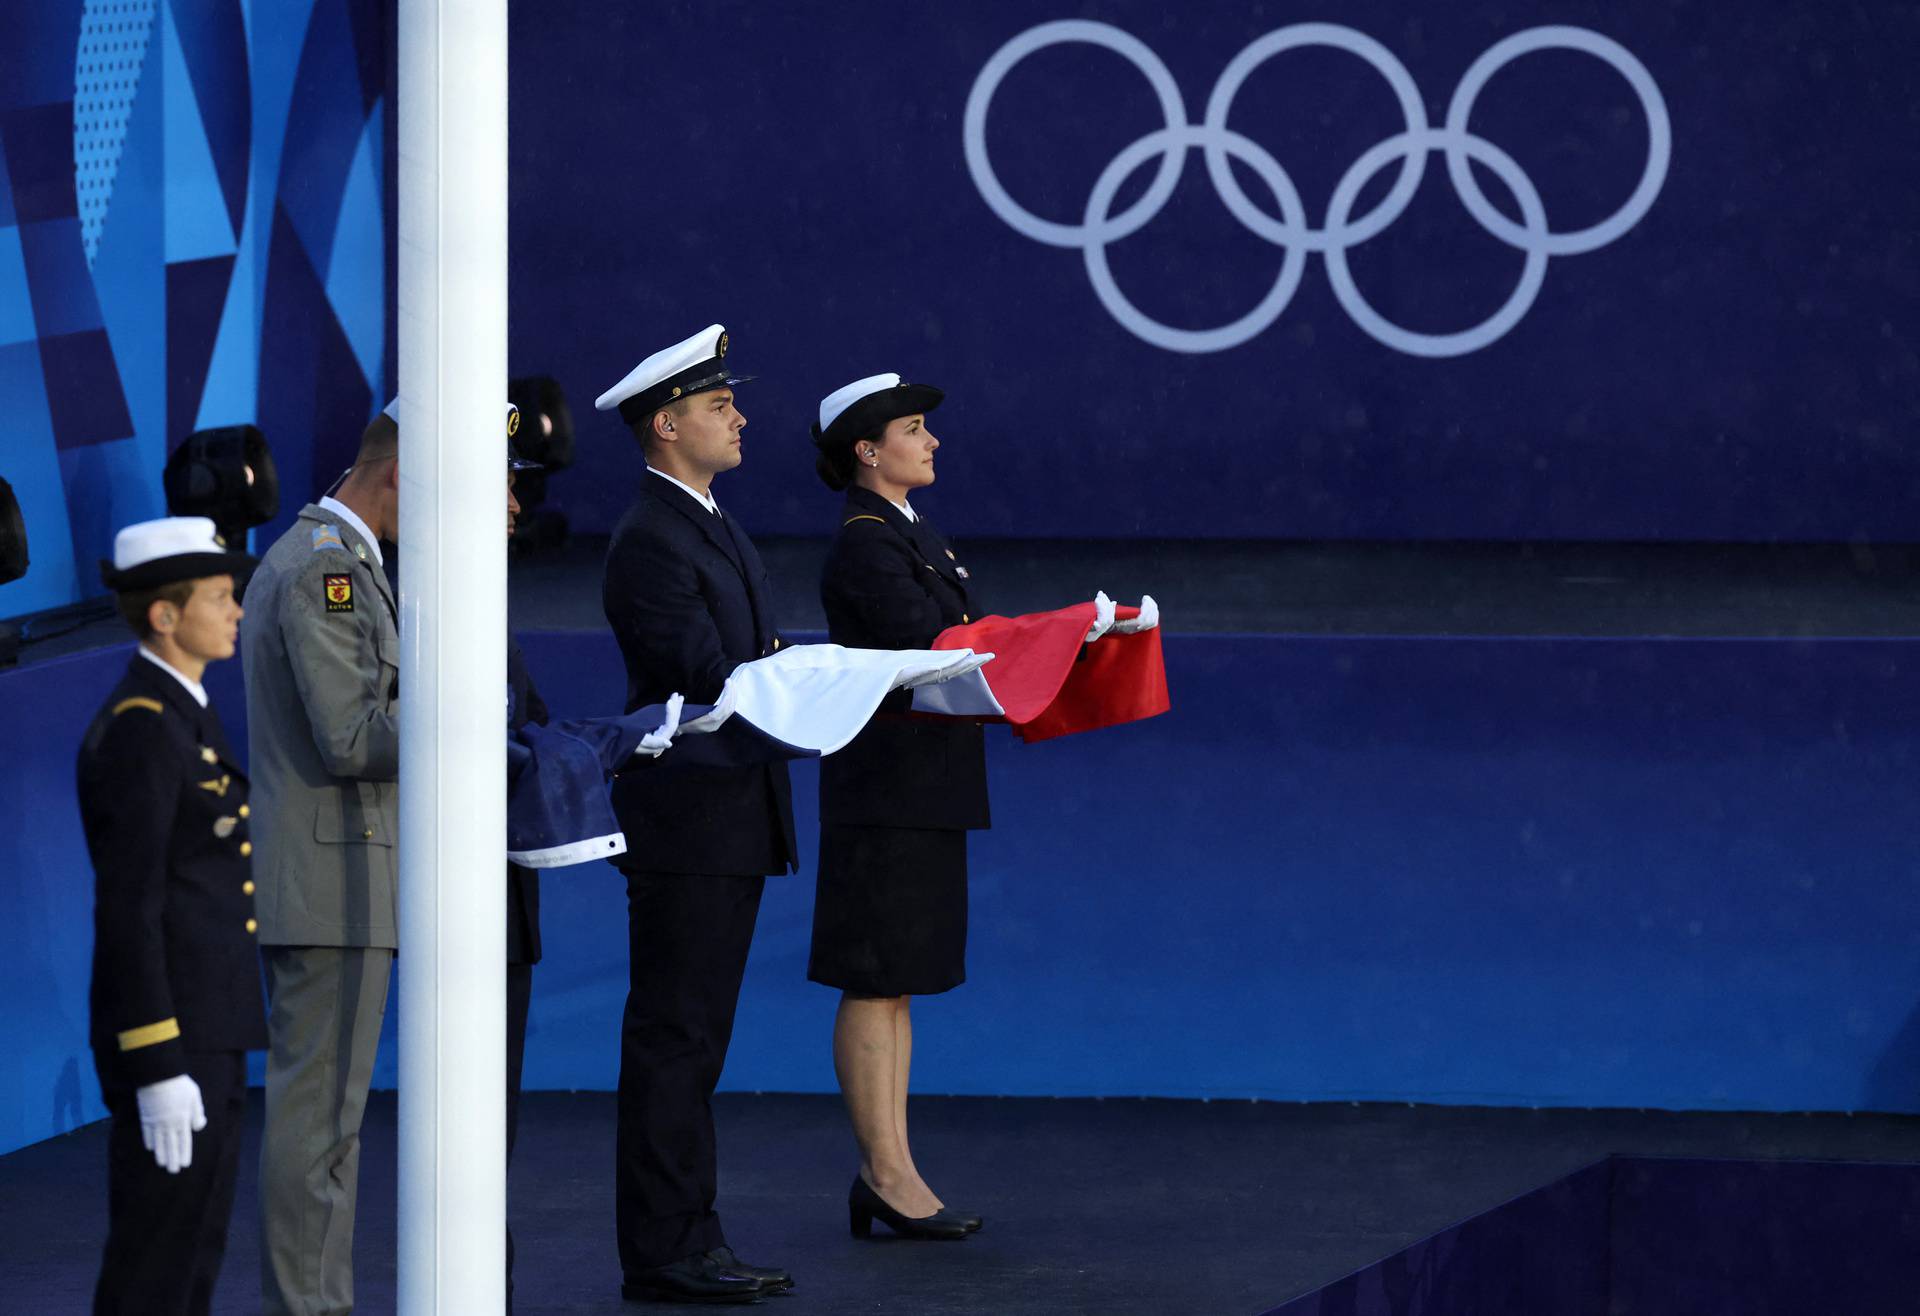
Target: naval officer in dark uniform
{"type": "Point", "coordinates": [688, 601]}
{"type": "Point", "coordinates": [524, 705]}
{"type": "Point", "coordinates": [175, 999]}
{"type": "Point", "coordinates": [890, 914]}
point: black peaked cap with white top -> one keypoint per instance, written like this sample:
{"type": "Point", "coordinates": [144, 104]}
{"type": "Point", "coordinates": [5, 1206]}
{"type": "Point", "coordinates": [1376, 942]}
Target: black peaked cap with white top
{"type": "Point", "coordinates": [149, 554]}
{"type": "Point", "coordinates": [864, 406]}
{"type": "Point", "coordinates": [692, 365]}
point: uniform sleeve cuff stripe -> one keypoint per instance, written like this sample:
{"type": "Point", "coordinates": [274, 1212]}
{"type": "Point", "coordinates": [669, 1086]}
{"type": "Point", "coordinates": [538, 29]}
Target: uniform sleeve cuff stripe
{"type": "Point", "coordinates": [151, 1035]}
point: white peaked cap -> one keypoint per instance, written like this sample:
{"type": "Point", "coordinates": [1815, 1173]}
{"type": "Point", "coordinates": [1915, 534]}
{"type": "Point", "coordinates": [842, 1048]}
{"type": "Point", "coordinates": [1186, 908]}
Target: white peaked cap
{"type": "Point", "coordinates": [836, 402]}
{"type": "Point", "coordinates": [707, 345]}
{"type": "Point", "coordinates": [170, 536]}
{"type": "Point", "coordinates": [151, 553]}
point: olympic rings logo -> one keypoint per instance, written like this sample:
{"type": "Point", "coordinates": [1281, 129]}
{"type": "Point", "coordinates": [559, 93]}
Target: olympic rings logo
{"type": "Point", "coordinates": [1342, 231]}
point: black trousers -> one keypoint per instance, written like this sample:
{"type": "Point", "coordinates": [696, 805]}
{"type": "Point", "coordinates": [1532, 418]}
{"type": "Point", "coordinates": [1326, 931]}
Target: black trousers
{"type": "Point", "coordinates": [167, 1233]}
{"type": "Point", "coordinates": [687, 939]}
{"type": "Point", "coordinates": [519, 997]}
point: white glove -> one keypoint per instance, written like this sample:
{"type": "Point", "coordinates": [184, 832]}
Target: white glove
{"type": "Point", "coordinates": [170, 1114]}
{"type": "Point", "coordinates": [655, 742]}
{"type": "Point", "coordinates": [1102, 617]}
{"type": "Point", "coordinates": [1148, 619]}
{"type": "Point", "coordinates": [714, 718]}
{"type": "Point", "coordinates": [964, 661]}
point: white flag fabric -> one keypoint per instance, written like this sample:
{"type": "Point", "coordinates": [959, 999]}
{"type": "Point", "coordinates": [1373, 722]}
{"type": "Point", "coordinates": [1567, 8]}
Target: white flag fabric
{"type": "Point", "coordinates": [818, 696]}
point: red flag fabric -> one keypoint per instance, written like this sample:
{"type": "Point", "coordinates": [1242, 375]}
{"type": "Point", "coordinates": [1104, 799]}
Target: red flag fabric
{"type": "Point", "coordinates": [1051, 682]}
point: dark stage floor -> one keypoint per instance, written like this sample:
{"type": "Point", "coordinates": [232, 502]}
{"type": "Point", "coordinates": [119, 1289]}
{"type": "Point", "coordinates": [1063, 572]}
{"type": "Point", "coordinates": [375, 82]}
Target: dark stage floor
{"type": "Point", "coordinates": [1120, 1206]}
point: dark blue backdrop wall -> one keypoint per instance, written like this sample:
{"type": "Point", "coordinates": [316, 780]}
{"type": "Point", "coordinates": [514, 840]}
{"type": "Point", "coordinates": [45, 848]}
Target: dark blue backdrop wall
{"type": "Point", "coordinates": [1557, 872]}
{"type": "Point", "coordinates": [1734, 358]}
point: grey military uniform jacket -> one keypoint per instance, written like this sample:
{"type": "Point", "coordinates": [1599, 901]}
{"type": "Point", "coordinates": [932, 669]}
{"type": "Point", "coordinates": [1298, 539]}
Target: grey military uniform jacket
{"type": "Point", "coordinates": [321, 653]}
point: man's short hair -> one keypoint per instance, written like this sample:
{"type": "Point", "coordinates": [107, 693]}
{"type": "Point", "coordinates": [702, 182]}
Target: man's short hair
{"type": "Point", "coordinates": [135, 604]}
{"type": "Point", "coordinates": [677, 408]}
{"type": "Point", "coordinates": [379, 442]}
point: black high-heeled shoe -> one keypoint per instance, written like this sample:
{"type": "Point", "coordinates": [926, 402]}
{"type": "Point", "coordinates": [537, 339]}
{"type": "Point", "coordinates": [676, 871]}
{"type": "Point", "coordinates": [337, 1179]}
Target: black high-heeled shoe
{"type": "Point", "coordinates": [864, 1206]}
{"type": "Point", "coordinates": [969, 1220]}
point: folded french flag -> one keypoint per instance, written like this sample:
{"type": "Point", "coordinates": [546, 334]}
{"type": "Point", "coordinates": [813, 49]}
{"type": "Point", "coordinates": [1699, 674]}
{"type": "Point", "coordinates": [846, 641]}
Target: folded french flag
{"type": "Point", "coordinates": [801, 702]}
{"type": "Point", "coordinates": [1054, 673]}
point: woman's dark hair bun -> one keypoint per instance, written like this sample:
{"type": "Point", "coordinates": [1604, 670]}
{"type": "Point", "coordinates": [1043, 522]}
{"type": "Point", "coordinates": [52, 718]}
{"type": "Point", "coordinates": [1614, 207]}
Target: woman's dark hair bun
{"type": "Point", "coordinates": [834, 464]}
{"type": "Point", "coordinates": [835, 468]}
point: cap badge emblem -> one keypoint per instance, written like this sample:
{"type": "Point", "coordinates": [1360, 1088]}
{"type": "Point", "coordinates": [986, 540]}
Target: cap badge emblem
{"type": "Point", "coordinates": [220, 540]}
{"type": "Point", "coordinates": [676, 391]}
{"type": "Point", "coordinates": [513, 422]}
{"type": "Point", "coordinates": [721, 348]}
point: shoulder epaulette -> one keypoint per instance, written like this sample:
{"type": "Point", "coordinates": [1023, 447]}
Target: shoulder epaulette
{"type": "Point", "coordinates": [138, 701]}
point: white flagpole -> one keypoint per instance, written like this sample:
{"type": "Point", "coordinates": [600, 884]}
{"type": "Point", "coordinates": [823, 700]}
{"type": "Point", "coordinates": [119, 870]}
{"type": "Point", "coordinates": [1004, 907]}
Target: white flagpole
{"type": "Point", "coordinates": [452, 172]}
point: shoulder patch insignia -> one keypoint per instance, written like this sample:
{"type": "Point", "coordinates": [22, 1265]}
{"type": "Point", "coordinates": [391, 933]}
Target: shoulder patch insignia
{"type": "Point", "coordinates": [138, 701]}
{"type": "Point", "coordinates": [339, 591]}
{"type": "Point", "coordinates": [325, 537]}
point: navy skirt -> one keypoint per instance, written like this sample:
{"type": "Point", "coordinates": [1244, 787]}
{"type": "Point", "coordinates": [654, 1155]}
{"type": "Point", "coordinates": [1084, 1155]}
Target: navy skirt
{"type": "Point", "coordinates": [890, 910]}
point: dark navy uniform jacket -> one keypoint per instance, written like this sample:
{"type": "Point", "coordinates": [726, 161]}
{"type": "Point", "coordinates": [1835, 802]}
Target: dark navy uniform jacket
{"type": "Point", "coordinates": [524, 705]}
{"type": "Point", "coordinates": [176, 967]}
{"type": "Point", "coordinates": [689, 601]}
{"type": "Point", "coordinates": [891, 583]}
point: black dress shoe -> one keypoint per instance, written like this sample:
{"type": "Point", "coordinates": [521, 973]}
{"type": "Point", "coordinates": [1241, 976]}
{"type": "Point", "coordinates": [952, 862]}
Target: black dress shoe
{"type": "Point", "coordinates": [864, 1206]}
{"type": "Point", "coordinates": [691, 1279]}
{"type": "Point", "coordinates": [773, 1279]}
{"type": "Point", "coordinates": [969, 1220]}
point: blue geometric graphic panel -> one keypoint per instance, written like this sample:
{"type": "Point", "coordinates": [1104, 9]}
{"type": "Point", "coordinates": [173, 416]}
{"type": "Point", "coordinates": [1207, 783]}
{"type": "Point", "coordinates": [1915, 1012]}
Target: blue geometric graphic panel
{"type": "Point", "coordinates": [32, 467]}
{"type": "Point", "coordinates": [115, 36]}
{"type": "Point", "coordinates": [62, 289]}
{"type": "Point", "coordinates": [355, 268]}
{"type": "Point", "coordinates": [324, 128]}
{"type": "Point", "coordinates": [83, 389]}
{"type": "Point", "coordinates": [233, 373]}
{"type": "Point", "coordinates": [313, 399]}
{"type": "Point", "coordinates": [129, 271]}
{"type": "Point", "coordinates": [16, 306]}
{"type": "Point", "coordinates": [196, 292]}
{"type": "Point", "coordinates": [199, 223]}
{"type": "Point", "coordinates": [142, 143]}
{"type": "Point", "coordinates": [39, 40]}
{"type": "Point", "coordinates": [213, 43]}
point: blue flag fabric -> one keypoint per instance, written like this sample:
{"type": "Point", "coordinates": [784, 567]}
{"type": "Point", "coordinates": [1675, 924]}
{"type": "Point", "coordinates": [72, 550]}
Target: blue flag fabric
{"type": "Point", "coordinates": [558, 811]}
{"type": "Point", "coordinates": [800, 703]}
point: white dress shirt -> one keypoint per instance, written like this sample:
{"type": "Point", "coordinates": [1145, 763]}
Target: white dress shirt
{"type": "Point", "coordinates": [194, 688]}
{"type": "Point", "coordinates": [352, 518]}
{"type": "Point", "coordinates": [704, 499]}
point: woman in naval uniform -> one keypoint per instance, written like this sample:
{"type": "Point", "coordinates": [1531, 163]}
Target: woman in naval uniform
{"type": "Point", "coordinates": [890, 915]}
{"type": "Point", "coordinates": [175, 998]}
